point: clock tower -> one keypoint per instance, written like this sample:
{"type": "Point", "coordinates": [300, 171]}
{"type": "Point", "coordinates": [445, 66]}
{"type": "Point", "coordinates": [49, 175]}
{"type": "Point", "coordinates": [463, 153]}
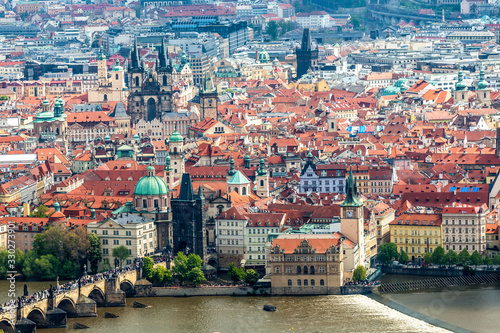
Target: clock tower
{"type": "Point", "coordinates": [351, 218]}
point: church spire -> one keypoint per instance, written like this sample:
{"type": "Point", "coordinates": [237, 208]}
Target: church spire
{"type": "Point", "coordinates": [231, 171]}
{"type": "Point", "coordinates": [351, 198]}
{"type": "Point", "coordinates": [163, 55]}
{"type": "Point", "coordinates": [135, 56]}
{"type": "Point", "coordinates": [262, 167]}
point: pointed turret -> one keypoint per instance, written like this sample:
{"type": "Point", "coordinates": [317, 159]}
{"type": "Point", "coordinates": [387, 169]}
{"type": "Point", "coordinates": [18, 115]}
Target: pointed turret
{"type": "Point", "coordinates": [168, 166]}
{"type": "Point", "coordinates": [208, 84]}
{"type": "Point", "coordinates": [136, 64]}
{"type": "Point", "coordinates": [200, 193]}
{"type": "Point", "coordinates": [262, 167]}
{"type": "Point", "coordinates": [101, 55]}
{"type": "Point", "coordinates": [186, 191]}
{"type": "Point", "coordinates": [247, 161]}
{"type": "Point", "coordinates": [460, 85]}
{"type": "Point", "coordinates": [163, 55]}
{"type": "Point", "coordinates": [351, 198]}
{"type": "Point", "coordinates": [231, 171]}
{"type": "Point", "coordinates": [482, 84]}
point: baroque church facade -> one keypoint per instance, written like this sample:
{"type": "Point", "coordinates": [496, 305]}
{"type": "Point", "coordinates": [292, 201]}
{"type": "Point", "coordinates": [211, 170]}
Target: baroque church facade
{"type": "Point", "coordinates": [150, 91]}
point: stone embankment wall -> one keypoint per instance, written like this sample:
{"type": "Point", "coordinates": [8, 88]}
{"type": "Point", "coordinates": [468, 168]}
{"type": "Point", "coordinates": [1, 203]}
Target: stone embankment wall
{"type": "Point", "coordinates": [207, 291]}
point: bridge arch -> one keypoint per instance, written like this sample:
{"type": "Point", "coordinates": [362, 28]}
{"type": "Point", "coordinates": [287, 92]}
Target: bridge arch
{"type": "Point", "coordinates": [67, 305]}
{"type": "Point", "coordinates": [98, 296]}
{"type": "Point", "coordinates": [127, 287]}
{"type": "Point", "coordinates": [38, 317]}
{"type": "Point", "coordinates": [7, 326]}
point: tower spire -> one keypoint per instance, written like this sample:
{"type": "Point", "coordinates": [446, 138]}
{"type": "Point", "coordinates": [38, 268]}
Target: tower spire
{"type": "Point", "coordinates": [351, 198]}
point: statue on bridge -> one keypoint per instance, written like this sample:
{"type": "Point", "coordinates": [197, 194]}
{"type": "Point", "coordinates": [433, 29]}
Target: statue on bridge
{"type": "Point", "coordinates": [51, 291]}
{"type": "Point", "coordinates": [26, 290]}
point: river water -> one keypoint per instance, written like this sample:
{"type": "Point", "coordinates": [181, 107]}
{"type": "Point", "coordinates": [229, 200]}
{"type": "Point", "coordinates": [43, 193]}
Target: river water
{"type": "Point", "coordinates": [295, 314]}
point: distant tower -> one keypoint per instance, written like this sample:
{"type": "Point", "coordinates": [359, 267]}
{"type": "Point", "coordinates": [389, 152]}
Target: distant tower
{"type": "Point", "coordinates": [262, 180]}
{"type": "Point", "coordinates": [188, 219]}
{"type": "Point", "coordinates": [351, 218]}
{"type": "Point", "coordinates": [306, 57]}
{"type": "Point", "coordinates": [482, 91]}
{"type": "Point", "coordinates": [102, 68]}
{"type": "Point", "coordinates": [208, 98]}
{"type": "Point", "coordinates": [461, 94]}
{"type": "Point", "coordinates": [176, 148]}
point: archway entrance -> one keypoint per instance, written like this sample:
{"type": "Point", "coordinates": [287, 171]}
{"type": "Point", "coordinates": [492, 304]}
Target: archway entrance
{"type": "Point", "coordinates": [151, 109]}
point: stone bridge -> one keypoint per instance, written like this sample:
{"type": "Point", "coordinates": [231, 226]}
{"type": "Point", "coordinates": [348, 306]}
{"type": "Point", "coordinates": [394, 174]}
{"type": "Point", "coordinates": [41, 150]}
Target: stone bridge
{"type": "Point", "coordinates": [82, 301]}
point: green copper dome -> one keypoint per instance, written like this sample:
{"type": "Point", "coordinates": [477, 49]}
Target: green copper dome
{"type": "Point", "coordinates": [151, 185]}
{"type": "Point", "coordinates": [176, 137]}
{"type": "Point", "coordinates": [107, 137]}
{"type": "Point", "coordinates": [117, 67]}
{"type": "Point", "coordinates": [263, 56]}
{"type": "Point", "coordinates": [45, 115]}
{"type": "Point", "coordinates": [46, 102]}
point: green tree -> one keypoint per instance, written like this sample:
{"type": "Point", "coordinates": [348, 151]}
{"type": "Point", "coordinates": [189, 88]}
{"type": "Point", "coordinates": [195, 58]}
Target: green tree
{"type": "Point", "coordinates": [193, 261]}
{"type": "Point", "coordinates": [236, 273]}
{"type": "Point", "coordinates": [94, 254]}
{"type": "Point", "coordinates": [168, 278]}
{"type": "Point", "coordinates": [387, 252]}
{"type": "Point", "coordinates": [4, 98]}
{"type": "Point", "coordinates": [196, 276]}
{"type": "Point", "coordinates": [476, 259]}
{"type": "Point", "coordinates": [272, 30]}
{"type": "Point", "coordinates": [359, 273]}
{"type": "Point", "coordinates": [403, 257]}
{"type": "Point", "coordinates": [496, 259]}
{"type": "Point", "coordinates": [463, 257]}
{"type": "Point", "coordinates": [40, 211]}
{"type": "Point", "coordinates": [158, 275]}
{"type": "Point", "coordinates": [148, 268]}
{"type": "Point", "coordinates": [252, 276]}
{"type": "Point", "coordinates": [487, 261]}
{"type": "Point", "coordinates": [28, 264]}
{"type": "Point", "coordinates": [428, 258]}
{"type": "Point", "coordinates": [438, 255]}
{"type": "Point", "coordinates": [180, 269]}
{"type": "Point", "coordinates": [121, 253]}
{"type": "Point", "coordinates": [356, 22]}
{"type": "Point", "coordinates": [46, 267]}
{"type": "Point", "coordinates": [451, 258]}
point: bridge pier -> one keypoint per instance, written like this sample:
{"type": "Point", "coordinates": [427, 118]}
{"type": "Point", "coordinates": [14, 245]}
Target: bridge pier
{"type": "Point", "coordinates": [25, 326]}
{"type": "Point", "coordinates": [85, 307]}
{"type": "Point", "coordinates": [143, 288]}
{"type": "Point", "coordinates": [114, 296]}
{"type": "Point", "coordinates": [56, 318]}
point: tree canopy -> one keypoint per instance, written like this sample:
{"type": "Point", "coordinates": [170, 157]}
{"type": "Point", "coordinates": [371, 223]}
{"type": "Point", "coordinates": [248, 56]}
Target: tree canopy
{"type": "Point", "coordinates": [403, 257]}
{"type": "Point", "coordinates": [359, 273]}
{"type": "Point", "coordinates": [387, 252]}
{"type": "Point", "coordinates": [438, 255]}
{"type": "Point", "coordinates": [121, 253]}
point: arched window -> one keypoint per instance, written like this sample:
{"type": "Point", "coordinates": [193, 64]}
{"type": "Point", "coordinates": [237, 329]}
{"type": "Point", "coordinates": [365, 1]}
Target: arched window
{"type": "Point", "coordinates": [289, 283]}
{"type": "Point", "coordinates": [261, 182]}
{"type": "Point", "coordinates": [299, 283]}
{"type": "Point", "coordinates": [312, 283]}
{"type": "Point", "coordinates": [116, 76]}
{"type": "Point", "coordinates": [156, 203]}
{"type": "Point", "coordinates": [305, 269]}
{"type": "Point", "coordinates": [321, 282]}
{"type": "Point", "coordinates": [164, 80]}
{"type": "Point", "coordinates": [136, 81]}
{"type": "Point", "coordinates": [311, 271]}
{"type": "Point", "coordinates": [244, 191]}
{"type": "Point", "coordinates": [236, 190]}
{"type": "Point", "coordinates": [305, 283]}
{"type": "Point", "coordinates": [144, 203]}
{"type": "Point", "coordinates": [299, 270]}
{"type": "Point", "coordinates": [105, 97]}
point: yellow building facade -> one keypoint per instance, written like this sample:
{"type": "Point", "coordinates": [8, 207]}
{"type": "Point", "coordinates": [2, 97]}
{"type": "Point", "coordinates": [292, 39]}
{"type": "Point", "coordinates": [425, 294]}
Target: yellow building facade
{"type": "Point", "coordinates": [416, 234]}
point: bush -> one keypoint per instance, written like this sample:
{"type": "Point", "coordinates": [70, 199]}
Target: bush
{"type": "Point", "coordinates": [147, 270]}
